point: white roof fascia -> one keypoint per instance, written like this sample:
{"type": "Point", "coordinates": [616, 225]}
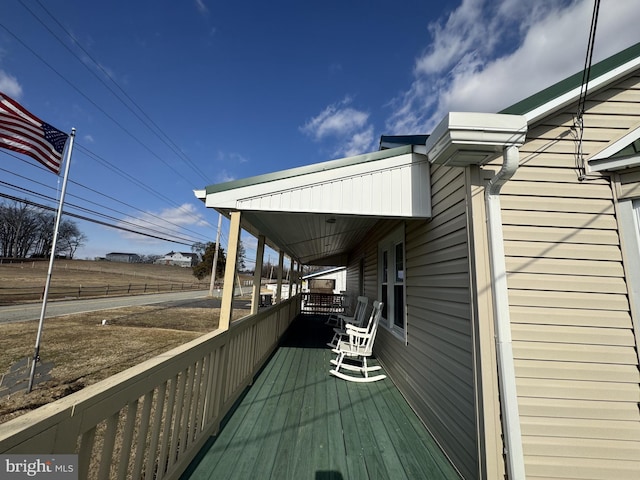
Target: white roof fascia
{"type": "Point", "coordinates": [603, 161]}
{"type": "Point", "coordinates": [470, 138]}
{"type": "Point", "coordinates": [572, 95]}
{"type": "Point", "coordinates": [264, 196]}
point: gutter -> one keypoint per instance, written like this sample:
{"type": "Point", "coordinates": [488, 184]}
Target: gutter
{"type": "Point", "coordinates": [504, 348]}
{"type": "Point", "coordinates": [460, 140]}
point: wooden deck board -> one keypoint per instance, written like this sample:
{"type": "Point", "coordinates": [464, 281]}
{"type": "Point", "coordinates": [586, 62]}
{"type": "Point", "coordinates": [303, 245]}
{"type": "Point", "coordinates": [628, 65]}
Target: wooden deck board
{"type": "Point", "coordinates": [297, 421]}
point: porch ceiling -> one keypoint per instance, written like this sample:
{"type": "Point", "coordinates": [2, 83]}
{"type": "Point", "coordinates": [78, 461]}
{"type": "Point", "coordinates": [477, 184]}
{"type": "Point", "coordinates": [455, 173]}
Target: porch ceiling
{"type": "Point", "coordinates": [313, 239]}
{"type": "Point", "coordinates": [318, 213]}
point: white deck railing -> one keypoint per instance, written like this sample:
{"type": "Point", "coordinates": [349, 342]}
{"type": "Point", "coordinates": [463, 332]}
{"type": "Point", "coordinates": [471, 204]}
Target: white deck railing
{"type": "Point", "coordinates": [152, 419]}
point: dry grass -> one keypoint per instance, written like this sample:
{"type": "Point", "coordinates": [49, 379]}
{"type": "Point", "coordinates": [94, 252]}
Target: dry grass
{"type": "Point", "coordinates": [18, 278]}
{"type": "Point", "coordinates": [84, 272]}
{"type": "Point", "coordinates": [84, 352]}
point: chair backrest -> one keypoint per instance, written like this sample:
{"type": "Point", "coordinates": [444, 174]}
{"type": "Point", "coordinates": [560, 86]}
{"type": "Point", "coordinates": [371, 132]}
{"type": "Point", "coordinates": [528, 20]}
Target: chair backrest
{"type": "Point", "coordinates": [360, 311]}
{"type": "Point", "coordinates": [364, 344]}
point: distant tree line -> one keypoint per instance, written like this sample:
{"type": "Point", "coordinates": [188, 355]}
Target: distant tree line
{"type": "Point", "coordinates": [27, 231]}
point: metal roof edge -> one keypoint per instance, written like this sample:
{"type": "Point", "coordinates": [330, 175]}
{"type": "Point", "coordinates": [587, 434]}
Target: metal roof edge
{"type": "Point", "coordinates": [323, 272]}
{"type": "Point", "coordinates": [307, 169]}
{"type": "Point", "coordinates": [563, 87]}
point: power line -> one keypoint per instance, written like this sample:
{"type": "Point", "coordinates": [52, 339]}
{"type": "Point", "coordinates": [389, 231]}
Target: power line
{"type": "Point", "coordinates": [86, 97]}
{"type": "Point", "coordinates": [92, 220]}
{"type": "Point", "coordinates": [586, 75]}
{"type": "Point", "coordinates": [93, 212]}
{"type": "Point", "coordinates": [165, 222]}
{"type": "Point", "coordinates": [147, 121]}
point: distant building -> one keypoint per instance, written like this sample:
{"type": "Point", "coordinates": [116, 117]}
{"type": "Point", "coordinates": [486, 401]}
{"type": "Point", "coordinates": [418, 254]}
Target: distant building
{"type": "Point", "coordinates": [123, 257]}
{"type": "Point", "coordinates": [180, 259]}
{"type": "Point", "coordinates": [333, 280]}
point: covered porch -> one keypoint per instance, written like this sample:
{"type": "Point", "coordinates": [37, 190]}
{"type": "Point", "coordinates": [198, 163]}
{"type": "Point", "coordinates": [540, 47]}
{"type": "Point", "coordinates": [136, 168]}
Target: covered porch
{"type": "Point", "coordinates": [297, 421]}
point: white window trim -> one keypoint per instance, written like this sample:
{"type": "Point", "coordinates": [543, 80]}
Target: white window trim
{"type": "Point", "coordinates": [629, 217]}
{"type": "Point", "coordinates": [388, 243]}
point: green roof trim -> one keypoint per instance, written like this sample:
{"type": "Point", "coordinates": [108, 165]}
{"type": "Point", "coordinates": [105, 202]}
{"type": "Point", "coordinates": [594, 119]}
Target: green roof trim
{"type": "Point", "coordinates": [307, 169]}
{"type": "Point", "coordinates": [574, 81]}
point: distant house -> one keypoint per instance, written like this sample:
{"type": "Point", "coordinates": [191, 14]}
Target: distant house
{"type": "Point", "coordinates": [180, 259]}
{"type": "Point", "coordinates": [123, 257]}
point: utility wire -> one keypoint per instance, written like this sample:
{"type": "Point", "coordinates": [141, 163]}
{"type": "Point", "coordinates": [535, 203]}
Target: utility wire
{"type": "Point", "coordinates": [106, 196]}
{"type": "Point", "coordinates": [92, 220]}
{"type": "Point", "coordinates": [586, 75]}
{"type": "Point", "coordinates": [86, 97]}
{"type": "Point", "coordinates": [88, 152]}
{"type": "Point", "coordinates": [177, 235]}
{"type": "Point", "coordinates": [147, 120]}
{"type": "Point", "coordinates": [82, 209]}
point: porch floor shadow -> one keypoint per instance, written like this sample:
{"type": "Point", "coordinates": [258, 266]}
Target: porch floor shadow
{"type": "Point", "coordinates": [299, 422]}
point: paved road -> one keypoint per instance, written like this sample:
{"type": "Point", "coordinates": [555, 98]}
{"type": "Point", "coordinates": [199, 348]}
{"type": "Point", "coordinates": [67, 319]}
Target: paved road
{"type": "Point", "coordinates": [31, 311]}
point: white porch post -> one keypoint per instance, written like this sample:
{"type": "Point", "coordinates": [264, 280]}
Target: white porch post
{"type": "Point", "coordinates": [292, 276]}
{"type": "Point", "coordinates": [279, 286]}
{"type": "Point", "coordinates": [226, 309]}
{"type": "Point", "coordinates": [257, 276]}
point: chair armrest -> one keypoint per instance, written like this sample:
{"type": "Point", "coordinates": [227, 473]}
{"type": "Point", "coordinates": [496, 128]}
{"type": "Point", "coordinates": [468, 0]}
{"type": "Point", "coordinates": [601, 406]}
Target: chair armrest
{"type": "Point", "coordinates": [357, 332]}
{"type": "Point", "coordinates": [353, 328]}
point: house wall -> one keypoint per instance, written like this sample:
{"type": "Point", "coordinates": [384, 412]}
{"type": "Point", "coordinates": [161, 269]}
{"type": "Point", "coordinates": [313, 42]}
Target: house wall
{"type": "Point", "coordinates": [573, 340]}
{"type": "Point", "coordinates": [434, 368]}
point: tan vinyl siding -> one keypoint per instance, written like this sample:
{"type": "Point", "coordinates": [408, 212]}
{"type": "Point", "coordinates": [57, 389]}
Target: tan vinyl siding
{"type": "Point", "coordinates": [434, 369]}
{"type": "Point", "coordinates": [575, 355]}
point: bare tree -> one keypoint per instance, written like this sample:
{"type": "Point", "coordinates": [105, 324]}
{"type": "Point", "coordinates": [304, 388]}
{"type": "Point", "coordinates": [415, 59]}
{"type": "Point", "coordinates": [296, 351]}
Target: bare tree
{"type": "Point", "coordinates": [18, 229]}
{"type": "Point", "coordinates": [26, 230]}
{"type": "Point", "coordinates": [70, 238]}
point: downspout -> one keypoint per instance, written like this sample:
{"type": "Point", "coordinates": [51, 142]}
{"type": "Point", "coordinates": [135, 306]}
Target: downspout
{"type": "Point", "coordinates": [504, 348]}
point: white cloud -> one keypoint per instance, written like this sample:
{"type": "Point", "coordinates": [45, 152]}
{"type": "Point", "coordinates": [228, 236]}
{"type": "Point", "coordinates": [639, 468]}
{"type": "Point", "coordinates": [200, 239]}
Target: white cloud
{"type": "Point", "coordinates": [201, 7]}
{"type": "Point", "coordinates": [231, 157]}
{"type": "Point", "coordinates": [167, 223]}
{"type": "Point", "coordinates": [10, 85]}
{"type": "Point", "coordinates": [224, 176]}
{"type": "Point", "coordinates": [467, 67]}
{"type": "Point", "coordinates": [347, 126]}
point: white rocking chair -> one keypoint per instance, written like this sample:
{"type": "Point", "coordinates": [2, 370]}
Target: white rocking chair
{"type": "Point", "coordinates": [357, 320]}
{"type": "Point", "coordinates": [358, 346]}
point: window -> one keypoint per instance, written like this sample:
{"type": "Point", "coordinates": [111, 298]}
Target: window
{"type": "Point", "coordinates": [391, 284]}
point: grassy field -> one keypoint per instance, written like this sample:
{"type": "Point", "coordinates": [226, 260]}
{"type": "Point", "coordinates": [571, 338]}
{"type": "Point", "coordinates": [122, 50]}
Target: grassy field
{"type": "Point", "coordinates": [84, 351]}
{"type": "Point", "coordinates": [21, 282]}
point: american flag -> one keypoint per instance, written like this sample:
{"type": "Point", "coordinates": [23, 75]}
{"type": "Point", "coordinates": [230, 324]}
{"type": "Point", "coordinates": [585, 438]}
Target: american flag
{"type": "Point", "coordinates": [23, 132]}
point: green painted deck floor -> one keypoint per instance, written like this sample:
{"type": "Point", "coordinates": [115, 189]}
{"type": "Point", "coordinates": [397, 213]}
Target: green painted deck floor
{"type": "Point", "coordinates": [299, 422]}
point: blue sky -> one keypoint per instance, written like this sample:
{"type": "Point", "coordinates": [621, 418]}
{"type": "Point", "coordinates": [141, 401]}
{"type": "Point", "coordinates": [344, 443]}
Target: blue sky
{"type": "Point", "coordinates": [168, 97]}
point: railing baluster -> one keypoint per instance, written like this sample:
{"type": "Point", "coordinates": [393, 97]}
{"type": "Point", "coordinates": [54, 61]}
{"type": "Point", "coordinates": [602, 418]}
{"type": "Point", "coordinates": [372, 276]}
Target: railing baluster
{"type": "Point", "coordinates": [163, 459]}
{"type": "Point", "coordinates": [125, 451]}
{"type": "Point", "coordinates": [175, 439]}
{"type": "Point", "coordinates": [142, 434]}
{"type": "Point", "coordinates": [155, 433]}
{"type": "Point", "coordinates": [104, 472]}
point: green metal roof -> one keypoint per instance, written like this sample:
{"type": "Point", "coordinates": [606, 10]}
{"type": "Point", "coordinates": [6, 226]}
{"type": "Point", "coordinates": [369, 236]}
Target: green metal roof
{"type": "Point", "coordinates": [574, 81]}
{"type": "Point", "coordinates": [307, 169]}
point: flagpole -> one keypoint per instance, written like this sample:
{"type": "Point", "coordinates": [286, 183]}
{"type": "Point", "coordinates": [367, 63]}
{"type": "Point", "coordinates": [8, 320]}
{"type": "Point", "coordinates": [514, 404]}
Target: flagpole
{"type": "Point", "coordinates": [36, 352]}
